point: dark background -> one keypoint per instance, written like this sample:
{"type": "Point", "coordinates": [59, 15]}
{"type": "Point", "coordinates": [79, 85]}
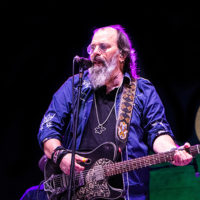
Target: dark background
{"type": "Point", "coordinates": [37, 54]}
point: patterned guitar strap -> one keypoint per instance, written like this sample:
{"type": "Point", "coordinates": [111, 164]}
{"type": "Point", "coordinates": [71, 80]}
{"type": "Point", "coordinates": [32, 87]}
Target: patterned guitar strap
{"type": "Point", "coordinates": [125, 112]}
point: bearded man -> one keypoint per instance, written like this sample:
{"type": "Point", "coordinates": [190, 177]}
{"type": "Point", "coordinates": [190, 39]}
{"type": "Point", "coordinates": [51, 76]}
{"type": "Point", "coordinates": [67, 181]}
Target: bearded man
{"type": "Point", "coordinates": [113, 66]}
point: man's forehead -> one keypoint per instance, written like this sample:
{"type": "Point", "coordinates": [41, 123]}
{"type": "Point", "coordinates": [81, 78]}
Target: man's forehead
{"type": "Point", "coordinates": [104, 35]}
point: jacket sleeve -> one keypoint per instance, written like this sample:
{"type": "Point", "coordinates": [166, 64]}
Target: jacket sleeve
{"type": "Point", "coordinates": [57, 114]}
{"type": "Point", "coordinates": [154, 118]}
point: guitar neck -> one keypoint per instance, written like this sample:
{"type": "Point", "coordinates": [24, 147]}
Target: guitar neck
{"type": "Point", "coordinates": [137, 163]}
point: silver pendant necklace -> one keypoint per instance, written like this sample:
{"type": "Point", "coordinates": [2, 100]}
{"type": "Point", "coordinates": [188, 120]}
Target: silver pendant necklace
{"type": "Point", "coordinates": [100, 128]}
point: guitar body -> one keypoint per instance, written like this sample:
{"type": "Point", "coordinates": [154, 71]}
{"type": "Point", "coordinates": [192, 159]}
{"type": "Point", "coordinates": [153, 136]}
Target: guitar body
{"type": "Point", "coordinates": [90, 183]}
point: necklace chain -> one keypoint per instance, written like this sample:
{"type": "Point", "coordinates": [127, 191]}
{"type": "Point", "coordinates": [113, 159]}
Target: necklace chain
{"type": "Point", "coordinates": [100, 128]}
{"type": "Point", "coordinates": [98, 114]}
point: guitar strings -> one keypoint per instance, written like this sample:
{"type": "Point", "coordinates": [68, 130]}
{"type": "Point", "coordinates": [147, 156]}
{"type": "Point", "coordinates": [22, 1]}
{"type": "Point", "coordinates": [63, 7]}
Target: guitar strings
{"type": "Point", "coordinates": [141, 161]}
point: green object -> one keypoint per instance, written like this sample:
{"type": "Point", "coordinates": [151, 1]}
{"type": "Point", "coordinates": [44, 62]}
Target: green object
{"type": "Point", "coordinates": [175, 183]}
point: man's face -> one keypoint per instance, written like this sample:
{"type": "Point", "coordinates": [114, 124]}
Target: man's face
{"type": "Point", "coordinates": [105, 56]}
{"type": "Point", "coordinates": [104, 47]}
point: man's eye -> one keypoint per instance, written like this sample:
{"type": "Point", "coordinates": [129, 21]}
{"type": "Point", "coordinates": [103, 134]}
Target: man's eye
{"type": "Point", "coordinates": [92, 47]}
{"type": "Point", "coordinates": [103, 47]}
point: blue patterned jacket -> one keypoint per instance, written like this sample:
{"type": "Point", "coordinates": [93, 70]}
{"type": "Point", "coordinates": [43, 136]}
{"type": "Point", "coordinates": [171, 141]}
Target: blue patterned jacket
{"type": "Point", "coordinates": [147, 123]}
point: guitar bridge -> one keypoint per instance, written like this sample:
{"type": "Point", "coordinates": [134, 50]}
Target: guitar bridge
{"type": "Point", "coordinates": [56, 184]}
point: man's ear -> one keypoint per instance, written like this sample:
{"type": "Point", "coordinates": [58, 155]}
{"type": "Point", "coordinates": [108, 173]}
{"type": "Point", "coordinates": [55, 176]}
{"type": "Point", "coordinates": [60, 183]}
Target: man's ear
{"type": "Point", "coordinates": [122, 57]}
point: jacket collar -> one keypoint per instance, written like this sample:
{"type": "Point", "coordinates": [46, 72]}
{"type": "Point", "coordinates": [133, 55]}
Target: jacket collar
{"type": "Point", "coordinates": [127, 78]}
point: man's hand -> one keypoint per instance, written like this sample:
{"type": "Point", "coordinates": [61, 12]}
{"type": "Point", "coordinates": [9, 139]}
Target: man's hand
{"type": "Point", "coordinates": [182, 157]}
{"type": "Point", "coordinates": [164, 143]}
{"type": "Point", "coordinates": [66, 163]}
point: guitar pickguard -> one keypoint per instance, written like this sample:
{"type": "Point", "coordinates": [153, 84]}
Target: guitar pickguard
{"type": "Point", "coordinates": [96, 184]}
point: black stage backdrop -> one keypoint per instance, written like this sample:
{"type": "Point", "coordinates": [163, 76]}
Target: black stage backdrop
{"type": "Point", "coordinates": [37, 53]}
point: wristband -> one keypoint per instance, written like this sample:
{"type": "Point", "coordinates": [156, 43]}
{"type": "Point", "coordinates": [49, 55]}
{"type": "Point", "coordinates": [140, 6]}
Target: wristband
{"type": "Point", "coordinates": [58, 155]}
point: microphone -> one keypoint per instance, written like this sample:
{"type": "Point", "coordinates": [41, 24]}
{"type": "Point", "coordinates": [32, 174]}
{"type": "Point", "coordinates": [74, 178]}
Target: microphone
{"type": "Point", "coordinates": [84, 62]}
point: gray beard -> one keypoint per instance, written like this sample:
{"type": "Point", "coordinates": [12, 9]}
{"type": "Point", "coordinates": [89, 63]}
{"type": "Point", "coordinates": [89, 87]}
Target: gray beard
{"type": "Point", "coordinates": [100, 74]}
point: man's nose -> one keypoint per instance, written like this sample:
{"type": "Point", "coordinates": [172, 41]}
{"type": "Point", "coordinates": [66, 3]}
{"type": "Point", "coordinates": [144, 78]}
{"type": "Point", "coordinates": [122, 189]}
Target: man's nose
{"type": "Point", "coordinates": [96, 51]}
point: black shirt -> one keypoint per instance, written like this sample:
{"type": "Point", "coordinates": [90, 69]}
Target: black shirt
{"type": "Point", "coordinates": [91, 139]}
{"type": "Point", "coordinates": [104, 103]}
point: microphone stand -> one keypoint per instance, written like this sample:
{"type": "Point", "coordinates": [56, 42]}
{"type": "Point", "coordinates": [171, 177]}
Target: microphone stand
{"type": "Point", "coordinates": [71, 187]}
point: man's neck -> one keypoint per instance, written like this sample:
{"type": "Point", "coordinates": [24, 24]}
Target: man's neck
{"type": "Point", "coordinates": [114, 82]}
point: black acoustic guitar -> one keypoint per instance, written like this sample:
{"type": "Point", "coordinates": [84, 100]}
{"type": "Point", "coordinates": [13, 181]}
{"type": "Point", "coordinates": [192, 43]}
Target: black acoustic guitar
{"type": "Point", "coordinates": [92, 183]}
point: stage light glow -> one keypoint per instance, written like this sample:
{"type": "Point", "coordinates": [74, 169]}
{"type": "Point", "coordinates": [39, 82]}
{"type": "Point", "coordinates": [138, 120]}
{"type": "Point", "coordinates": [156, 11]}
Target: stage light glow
{"type": "Point", "coordinates": [197, 124]}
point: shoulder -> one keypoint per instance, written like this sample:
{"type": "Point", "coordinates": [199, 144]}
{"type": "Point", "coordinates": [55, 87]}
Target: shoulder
{"type": "Point", "coordinates": [146, 91]}
{"type": "Point", "coordinates": [144, 85]}
{"type": "Point", "coordinates": [143, 81]}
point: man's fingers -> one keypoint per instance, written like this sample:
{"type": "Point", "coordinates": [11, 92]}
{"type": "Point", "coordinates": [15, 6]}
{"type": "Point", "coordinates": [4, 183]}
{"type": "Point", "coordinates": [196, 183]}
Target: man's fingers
{"type": "Point", "coordinates": [182, 158]}
{"type": "Point", "coordinates": [186, 145]}
{"type": "Point", "coordinates": [79, 167]}
{"type": "Point", "coordinates": [66, 163]}
{"type": "Point", "coordinates": [80, 158]}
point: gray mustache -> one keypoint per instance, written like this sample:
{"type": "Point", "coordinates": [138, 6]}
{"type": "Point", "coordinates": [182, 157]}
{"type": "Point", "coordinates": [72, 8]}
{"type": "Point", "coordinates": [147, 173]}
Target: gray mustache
{"type": "Point", "coordinates": [99, 59]}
